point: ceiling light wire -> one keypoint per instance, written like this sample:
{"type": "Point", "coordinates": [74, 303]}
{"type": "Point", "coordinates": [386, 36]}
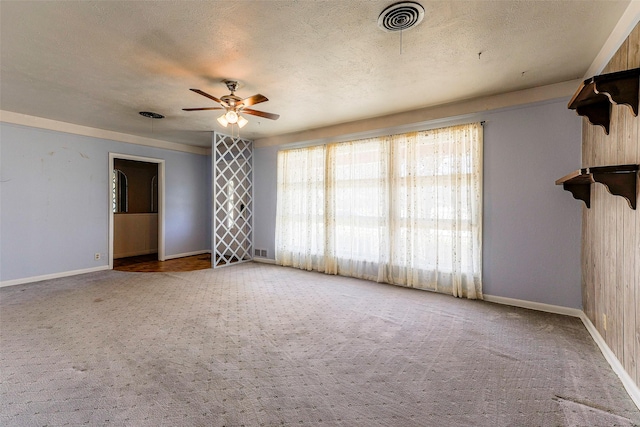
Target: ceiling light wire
{"type": "Point", "coordinates": [401, 16]}
{"type": "Point", "coordinates": [151, 115]}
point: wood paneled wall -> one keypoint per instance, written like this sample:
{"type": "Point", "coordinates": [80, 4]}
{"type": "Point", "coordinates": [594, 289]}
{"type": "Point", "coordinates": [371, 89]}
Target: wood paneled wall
{"type": "Point", "coordinates": [134, 234]}
{"type": "Point", "coordinates": [611, 230]}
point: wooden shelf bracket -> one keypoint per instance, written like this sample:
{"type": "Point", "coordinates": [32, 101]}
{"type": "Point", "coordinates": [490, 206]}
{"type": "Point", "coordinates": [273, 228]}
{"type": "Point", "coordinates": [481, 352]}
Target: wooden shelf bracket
{"type": "Point", "coordinates": [621, 180]}
{"type": "Point", "coordinates": [596, 95]}
{"type": "Point", "coordinates": [579, 192]}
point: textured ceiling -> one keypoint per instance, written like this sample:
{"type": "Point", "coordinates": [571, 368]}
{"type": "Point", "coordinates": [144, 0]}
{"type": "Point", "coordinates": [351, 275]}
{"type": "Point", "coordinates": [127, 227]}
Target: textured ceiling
{"type": "Point", "coordinates": [319, 62]}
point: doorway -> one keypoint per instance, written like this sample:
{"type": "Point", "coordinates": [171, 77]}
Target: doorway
{"type": "Point", "coordinates": [136, 207]}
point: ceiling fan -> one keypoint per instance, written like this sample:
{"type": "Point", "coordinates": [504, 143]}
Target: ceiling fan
{"type": "Point", "coordinates": [234, 105]}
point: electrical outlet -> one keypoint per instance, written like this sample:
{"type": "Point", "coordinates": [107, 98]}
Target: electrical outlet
{"type": "Point", "coordinates": [97, 256]}
{"type": "Point", "coordinates": [604, 321]}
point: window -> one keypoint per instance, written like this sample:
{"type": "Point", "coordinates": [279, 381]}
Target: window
{"type": "Point", "coordinates": [402, 209]}
{"type": "Point", "coordinates": [300, 201]}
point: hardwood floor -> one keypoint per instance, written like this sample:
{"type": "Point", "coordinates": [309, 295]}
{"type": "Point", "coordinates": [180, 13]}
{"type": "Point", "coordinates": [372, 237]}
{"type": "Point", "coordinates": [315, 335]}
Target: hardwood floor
{"type": "Point", "coordinates": [150, 263]}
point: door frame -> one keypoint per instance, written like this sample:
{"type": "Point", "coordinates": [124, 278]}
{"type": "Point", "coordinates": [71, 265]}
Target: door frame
{"type": "Point", "coordinates": [161, 198]}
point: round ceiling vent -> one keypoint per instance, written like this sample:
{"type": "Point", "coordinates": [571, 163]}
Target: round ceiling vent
{"type": "Point", "coordinates": [401, 16]}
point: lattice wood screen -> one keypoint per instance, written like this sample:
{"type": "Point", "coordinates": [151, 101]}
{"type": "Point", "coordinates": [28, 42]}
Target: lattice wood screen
{"type": "Point", "coordinates": [232, 200]}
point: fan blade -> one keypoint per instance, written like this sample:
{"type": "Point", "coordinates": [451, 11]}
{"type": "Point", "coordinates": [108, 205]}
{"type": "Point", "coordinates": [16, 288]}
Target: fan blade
{"type": "Point", "coordinates": [260, 114]}
{"type": "Point", "coordinates": [205, 94]}
{"type": "Point", "coordinates": [253, 100]}
{"type": "Point", "coordinates": [200, 109]}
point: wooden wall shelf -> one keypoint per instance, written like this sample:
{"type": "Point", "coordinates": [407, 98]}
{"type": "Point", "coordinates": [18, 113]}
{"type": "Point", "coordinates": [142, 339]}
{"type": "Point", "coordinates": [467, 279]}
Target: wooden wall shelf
{"type": "Point", "coordinates": [619, 180]}
{"type": "Point", "coordinates": [595, 96]}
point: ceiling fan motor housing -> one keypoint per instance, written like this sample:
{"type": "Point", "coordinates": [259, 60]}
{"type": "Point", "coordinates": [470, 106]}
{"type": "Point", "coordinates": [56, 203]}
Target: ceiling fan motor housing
{"type": "Point", "coordinates": [232, 101]}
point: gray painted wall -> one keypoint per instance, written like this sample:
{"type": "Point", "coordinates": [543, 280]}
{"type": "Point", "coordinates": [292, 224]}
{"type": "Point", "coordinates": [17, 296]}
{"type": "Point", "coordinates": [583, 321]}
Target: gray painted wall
{"type": "Point", "coordinates": [54, 200]}
{"type": "Point", "coordinates": [264, 196]}
{"type": "Point", "coordinates": [531, 247]}
{"type": "Point", "coordinates": [532, 227]}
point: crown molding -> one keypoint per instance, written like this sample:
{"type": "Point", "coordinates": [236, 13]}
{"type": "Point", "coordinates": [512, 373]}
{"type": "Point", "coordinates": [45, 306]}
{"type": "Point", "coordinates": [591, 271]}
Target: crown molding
{"type": "Point", "coordinates": [630, 18]}
{"type": "Point", "coordinates": [427, 115]}
{"type": "Point", "coordinates": [55, 125]}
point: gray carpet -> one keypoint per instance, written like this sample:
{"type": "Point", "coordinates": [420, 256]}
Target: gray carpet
{"type": "Point", "coordinates": [261, 345]}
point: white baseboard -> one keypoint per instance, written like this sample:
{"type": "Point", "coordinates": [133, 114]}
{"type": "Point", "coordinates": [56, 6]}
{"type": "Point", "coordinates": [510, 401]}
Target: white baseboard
{"type": "Point", "coordinates": [616, 366]}
{"type": "Point", "coordinates": [81, 271]}
{"type": "Point", "coordinates": [264, 260]}
{"type": "Point", "coordinates": [206, 251]}
{"type": "Point", "coordinates": [627, 382]}
{"type": "Point", "coordinates": [51, 276]}
{"type": "Point", "coordinates": [548, 308]}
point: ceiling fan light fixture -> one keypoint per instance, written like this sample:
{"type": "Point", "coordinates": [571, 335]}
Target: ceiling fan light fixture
{"type": "Point", "coordinates": [231, 117]}
{"type": "Point", "coordinates": [233, 105]}
{"type": "Point", "coordinates": [222, 120]}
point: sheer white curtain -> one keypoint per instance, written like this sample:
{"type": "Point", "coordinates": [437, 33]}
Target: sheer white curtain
{"type": "Point", "coordinates": [300, 224]}
{"type": "Point", "coordinates": [357, 201]}
{"type": "Point", "coordinates": [436, 211]}
{"type": "Point", "coordinates": [404, 209]}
